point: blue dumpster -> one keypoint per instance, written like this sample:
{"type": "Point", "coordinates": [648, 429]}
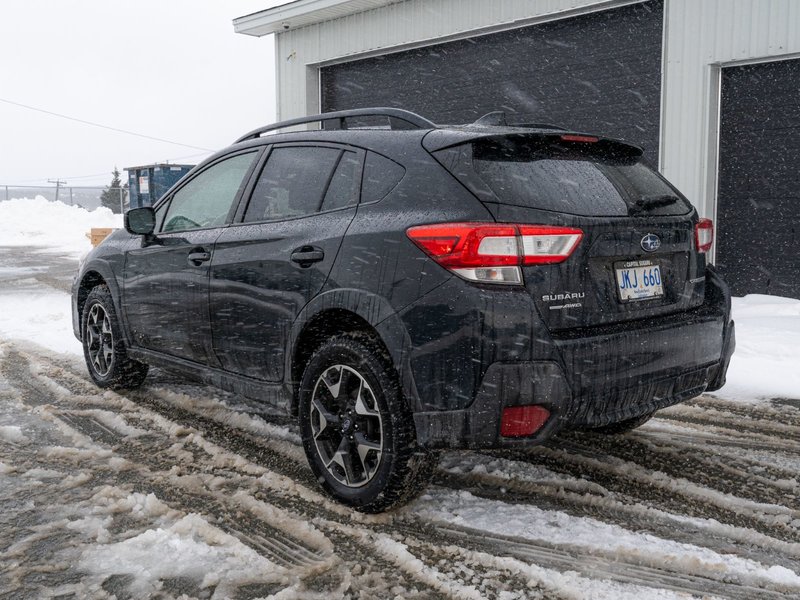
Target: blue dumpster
{"type": "Point", "coordinates": [149, 182]}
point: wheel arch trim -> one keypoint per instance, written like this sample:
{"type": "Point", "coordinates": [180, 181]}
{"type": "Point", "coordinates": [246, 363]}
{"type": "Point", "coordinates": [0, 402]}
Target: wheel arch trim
{"type": "Point", "coordinates": [106, 273]}
{"type": "Point", "coordinates": [377, 313]}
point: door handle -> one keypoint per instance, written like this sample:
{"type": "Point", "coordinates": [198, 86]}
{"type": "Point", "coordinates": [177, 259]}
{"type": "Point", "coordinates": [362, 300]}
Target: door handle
{"type": "Point", "coordinates": [307, 255]}
{"type": "Point", "coordinates": [198, 257]}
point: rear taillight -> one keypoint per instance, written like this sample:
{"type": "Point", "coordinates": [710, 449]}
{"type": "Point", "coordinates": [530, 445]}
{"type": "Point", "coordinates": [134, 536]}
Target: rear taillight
{"type": "Point", "coordinates": [704, 235]}
{"type": "Point", "coordinates": [494, 253]}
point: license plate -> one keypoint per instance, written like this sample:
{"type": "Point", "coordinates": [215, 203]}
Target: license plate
{"type": "Point", "coordinates": [639, 280]}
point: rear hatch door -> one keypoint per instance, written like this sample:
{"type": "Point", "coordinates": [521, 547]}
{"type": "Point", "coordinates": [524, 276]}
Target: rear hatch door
{"type": "Point", "coordinates": [637, 257]}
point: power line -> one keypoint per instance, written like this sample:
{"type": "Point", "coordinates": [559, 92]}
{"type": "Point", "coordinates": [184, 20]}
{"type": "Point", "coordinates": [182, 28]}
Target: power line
{"type": "Point", "coordinates": [141, 135]}
{"type": "Point", "coordinates": [106, 173]}
{"type": "Point", "coordinates": [58, 183]}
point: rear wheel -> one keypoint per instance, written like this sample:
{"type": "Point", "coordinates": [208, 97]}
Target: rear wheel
{"type": "Point", "coordinates": [358, 432]}
{"type": "Point", "coordinates": [624, 426]}
{"type": "Point", "coordinates": [103, 347]}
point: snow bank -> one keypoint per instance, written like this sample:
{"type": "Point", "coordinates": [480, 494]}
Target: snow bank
{"type": "Point", "coordinates": [40, 223]}
{"type": "Point", "coordinates": [766, 363]}
{"type": "Point", "coordinates": [44, 318]}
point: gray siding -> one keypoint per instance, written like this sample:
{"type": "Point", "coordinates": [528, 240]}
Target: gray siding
{"type": "Point", "coordinates": [700, 37]}
{"type": "Point", "coordinates": [598, 72]}
{"type": "Point", "coordinates": [398, 26]}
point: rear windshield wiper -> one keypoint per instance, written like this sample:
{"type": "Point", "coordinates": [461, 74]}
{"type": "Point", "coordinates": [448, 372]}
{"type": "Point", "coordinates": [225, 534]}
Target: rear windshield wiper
{"type": "Point", "coordinates": [646, 203]}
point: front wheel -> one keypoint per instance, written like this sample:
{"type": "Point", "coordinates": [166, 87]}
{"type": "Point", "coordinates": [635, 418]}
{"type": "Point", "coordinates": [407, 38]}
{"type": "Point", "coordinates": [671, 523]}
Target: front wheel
{"type": "Point", "coordinates": [103, 347]}
{"type": "Point", "coordinates": [357, 430]}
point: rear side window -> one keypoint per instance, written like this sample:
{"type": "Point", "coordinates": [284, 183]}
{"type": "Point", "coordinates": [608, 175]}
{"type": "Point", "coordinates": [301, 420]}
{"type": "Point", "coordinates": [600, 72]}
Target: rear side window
{"type": "Point", "coordinates": [343, 189]}
{"type": "Point", "coordinates": [381, 175]}
{"type": "Point", "coordinates": [578, 179]}
{"type": "Point", "coordinates": [303, 180]}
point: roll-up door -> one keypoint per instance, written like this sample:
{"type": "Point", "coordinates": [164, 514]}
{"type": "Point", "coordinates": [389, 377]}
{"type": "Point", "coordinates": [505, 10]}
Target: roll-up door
{"type": "Point", "coordinates": [758, 202]}
{"type": "Point", "coordinates": [598, 72]}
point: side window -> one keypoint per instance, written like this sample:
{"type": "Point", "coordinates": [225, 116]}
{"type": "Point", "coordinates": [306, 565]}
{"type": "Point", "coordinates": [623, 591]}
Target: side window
{"type": "Point", "coordinates": [381, 175]}
{"type": "Point", "coordinates": [206, 200]}
{"type": "Point", "coordinates": [343, 189]}
{"type": "Point", "coordinates": [292, 183]}
{"type": "Point", "coordinates": [160, 212]}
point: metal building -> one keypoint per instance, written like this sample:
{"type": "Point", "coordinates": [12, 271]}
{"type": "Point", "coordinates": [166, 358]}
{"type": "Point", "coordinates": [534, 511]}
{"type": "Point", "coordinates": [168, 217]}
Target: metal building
{"type": "Point", "coordinates": [710, 89]}
{"type": "Point", "coordinates": [147, 183]}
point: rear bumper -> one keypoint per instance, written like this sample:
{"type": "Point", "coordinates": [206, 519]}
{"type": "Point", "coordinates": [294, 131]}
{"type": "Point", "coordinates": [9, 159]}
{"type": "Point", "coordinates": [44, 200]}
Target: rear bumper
{"type": "Point", "coordinates": [605, 375]}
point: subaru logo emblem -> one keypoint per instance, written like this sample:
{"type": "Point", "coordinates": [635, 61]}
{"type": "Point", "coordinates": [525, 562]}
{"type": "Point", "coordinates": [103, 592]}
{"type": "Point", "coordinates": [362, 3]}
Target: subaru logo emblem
{"type": "Point", "coordinates": [651, 242]}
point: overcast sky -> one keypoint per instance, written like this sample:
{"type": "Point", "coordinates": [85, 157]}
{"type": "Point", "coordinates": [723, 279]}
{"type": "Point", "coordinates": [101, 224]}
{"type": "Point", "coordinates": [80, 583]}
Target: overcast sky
{"type": "Point", "coordinates": [169, 69]}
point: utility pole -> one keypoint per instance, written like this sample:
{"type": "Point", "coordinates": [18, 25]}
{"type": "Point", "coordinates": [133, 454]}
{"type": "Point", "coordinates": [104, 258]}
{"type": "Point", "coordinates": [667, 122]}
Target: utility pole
{"type": "Point", "coordinates": [58, 183]}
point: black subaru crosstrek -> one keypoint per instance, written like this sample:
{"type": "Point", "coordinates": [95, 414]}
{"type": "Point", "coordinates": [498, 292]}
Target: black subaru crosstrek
{"type": "Point", "coordinates": [408, 287]}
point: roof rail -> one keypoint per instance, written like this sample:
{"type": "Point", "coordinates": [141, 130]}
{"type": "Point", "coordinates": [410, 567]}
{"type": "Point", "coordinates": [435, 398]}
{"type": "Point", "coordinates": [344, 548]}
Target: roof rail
{"type": "Point", "coordinates": [338, 119]}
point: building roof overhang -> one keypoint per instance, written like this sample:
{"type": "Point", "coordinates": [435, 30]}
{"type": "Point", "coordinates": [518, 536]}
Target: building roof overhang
{"type": "Point", "coordinates": [301, 13]}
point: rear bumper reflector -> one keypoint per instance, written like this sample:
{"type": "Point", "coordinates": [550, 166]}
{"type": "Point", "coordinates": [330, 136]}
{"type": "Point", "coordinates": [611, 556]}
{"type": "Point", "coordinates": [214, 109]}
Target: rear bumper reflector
{"type": "Point", "coordinates": [522, 421]}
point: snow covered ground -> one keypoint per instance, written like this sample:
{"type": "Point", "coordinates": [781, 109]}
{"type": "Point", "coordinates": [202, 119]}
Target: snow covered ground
{"type": "Point", "coordinates": [179, 490]}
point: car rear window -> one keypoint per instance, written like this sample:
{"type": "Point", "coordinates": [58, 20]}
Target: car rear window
{"type": "Point", "coordinates": [601, 179]}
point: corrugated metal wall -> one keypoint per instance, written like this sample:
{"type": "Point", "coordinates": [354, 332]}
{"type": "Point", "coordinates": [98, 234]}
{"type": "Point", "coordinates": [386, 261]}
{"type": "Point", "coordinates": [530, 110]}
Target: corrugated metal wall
{"type": "Point", "coordinates": [397, 26]}
{"type": "Point", "coordinates": [701, 36]}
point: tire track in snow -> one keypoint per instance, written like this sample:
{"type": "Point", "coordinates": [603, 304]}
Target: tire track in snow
{"type": "Point", "coordinates": [185, 492]}
{"type": "Point", "coordinates": [272, 542]}
{"type": "Point", "coordinates": [653, 488]}
{"type": "Point", "coordinates": [340, 516]}
{"type": "Point", "coordinates": [727, 474]}
{"type": "Point", "coordinates": [737, 423]}
{"type": "Point", "coordinates": [769, 412]}
{"type": "Point", "coordinates": [764, 540]}
{"type": "Point", "coordinates": [250, 448]}
{"type": "Point", "coordinates": [627, 512]}
{"type": "Point", "coordinates": [598, 566]}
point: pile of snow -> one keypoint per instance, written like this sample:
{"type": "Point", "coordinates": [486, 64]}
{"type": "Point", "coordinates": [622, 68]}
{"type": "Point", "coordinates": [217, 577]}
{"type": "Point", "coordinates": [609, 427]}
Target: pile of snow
{"type": "Point", "coordinates": [41, 223]}
{"type": "Point", "coordinates": [766, 363]}
{"type": "Point", "coordinates": [44, 318]}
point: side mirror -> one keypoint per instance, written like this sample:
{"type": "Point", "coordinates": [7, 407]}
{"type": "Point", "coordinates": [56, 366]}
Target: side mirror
{"type": "Point", "coordinates": [140, 221]}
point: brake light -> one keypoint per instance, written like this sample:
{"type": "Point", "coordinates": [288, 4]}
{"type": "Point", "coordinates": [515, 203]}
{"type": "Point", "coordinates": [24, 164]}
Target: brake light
{"type": "Point", "coordinates": [521, 421]}
{"type": "Point", "coordinates": [704, 235]}
{"type": "Point", "coordinates": [571, 137]}
{"type": "Point", "coordinates": [494, 253]}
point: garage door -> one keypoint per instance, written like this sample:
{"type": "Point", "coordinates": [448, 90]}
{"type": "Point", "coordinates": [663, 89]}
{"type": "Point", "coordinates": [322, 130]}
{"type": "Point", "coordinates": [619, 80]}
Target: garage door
{"type": "Point", "coordinates": [599, 72]}
{"type": "Point", "coordinates": [758, 203]}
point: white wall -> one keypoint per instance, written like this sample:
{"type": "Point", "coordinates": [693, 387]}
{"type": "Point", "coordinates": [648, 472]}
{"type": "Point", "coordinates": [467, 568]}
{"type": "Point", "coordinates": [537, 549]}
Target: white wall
{"type": "Point", "coordinates": [703, 36]}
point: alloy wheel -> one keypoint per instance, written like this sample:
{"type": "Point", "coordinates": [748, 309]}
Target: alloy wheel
{"type": "Point", "coordinates": [99, 340]}
{"type": "Point", "coordinates": [346, 425]}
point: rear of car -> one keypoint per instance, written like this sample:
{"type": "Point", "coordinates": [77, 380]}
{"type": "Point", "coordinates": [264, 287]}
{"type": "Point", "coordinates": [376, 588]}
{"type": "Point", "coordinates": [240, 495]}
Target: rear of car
{"type": "Point", "coordinates": [626, 315]}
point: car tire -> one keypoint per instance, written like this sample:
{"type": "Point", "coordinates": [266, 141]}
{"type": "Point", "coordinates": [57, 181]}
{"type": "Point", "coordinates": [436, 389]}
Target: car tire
{"type": "Point", "coordinates": [624, 426]}
{"type": "Point", "coordinates": [357, 429]}
{"type": "Point", "coordinates": [103, 346]}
